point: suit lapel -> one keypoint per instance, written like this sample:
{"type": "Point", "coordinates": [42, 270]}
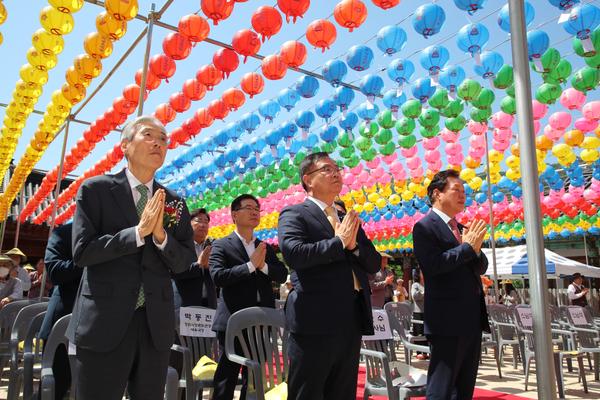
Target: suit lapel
{"type": "Point", "coordinates": [237, 244]}
{"type": "Point", "coordinates": [124, 198]}
{"type": "Point", "coordinates": [443, 228]}
{"type": "Point", "coordinates": [319, 215]}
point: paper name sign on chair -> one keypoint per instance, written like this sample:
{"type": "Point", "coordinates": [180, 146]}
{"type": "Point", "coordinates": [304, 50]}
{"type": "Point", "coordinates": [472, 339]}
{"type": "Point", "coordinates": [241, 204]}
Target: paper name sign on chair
{"type": "Point", "coordinates": [381, 325]}
{"type": "Point", "coordinates": [578, 316]}
{"type": "Point", "coordinates": [526, 317]}
{"type": "Point", "coordinates": [196, 321]}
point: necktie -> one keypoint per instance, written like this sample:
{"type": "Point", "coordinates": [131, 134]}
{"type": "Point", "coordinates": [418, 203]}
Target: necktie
{"type": "Point", "coordinates": [332, 218]}
{"type": "Point", "coordinates": [454, 226]}
{"type": "Point", "coordinates": [140, 205]}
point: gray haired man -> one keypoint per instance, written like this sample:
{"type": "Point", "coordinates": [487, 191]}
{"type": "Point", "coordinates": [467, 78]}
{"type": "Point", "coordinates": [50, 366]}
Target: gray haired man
{"type": "Point", "coordinates": [129, 235]}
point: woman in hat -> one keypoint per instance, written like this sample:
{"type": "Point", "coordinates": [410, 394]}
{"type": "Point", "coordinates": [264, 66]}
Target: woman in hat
{"type": "Point", "coordinates": [10, 287]}
{"type": "Point", "coordinates": [19, 258]}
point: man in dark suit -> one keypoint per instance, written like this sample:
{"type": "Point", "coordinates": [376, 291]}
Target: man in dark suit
{"type": "Point", "coordinates": [243, 267]}
{"type": "Point", "coordinates": [129, 235]}
{"type": "Point", "coordinates": [455, 312]}
{"type": "Point", "coordinates": [329, 309]}
{"type": "Point", "coordinates": [195, 286]}
{"type": "Point", "coordinates": [66, 277]}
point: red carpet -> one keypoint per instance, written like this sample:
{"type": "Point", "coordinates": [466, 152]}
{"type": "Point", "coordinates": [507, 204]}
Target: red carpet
{"type": "Point", "coordinates": [480, 394]}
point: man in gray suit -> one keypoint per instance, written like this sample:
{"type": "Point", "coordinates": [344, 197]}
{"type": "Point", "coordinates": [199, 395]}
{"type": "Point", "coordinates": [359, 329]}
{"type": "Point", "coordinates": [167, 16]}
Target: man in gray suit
{"type": "Point", "coordinates": [129, 235]}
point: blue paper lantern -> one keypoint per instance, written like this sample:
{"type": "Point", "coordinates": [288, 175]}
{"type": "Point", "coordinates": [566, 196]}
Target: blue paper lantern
{"type": "Point", "coordinates": [504, 19]}
{"type": "Point", "coordinates": [451, 77]}
{"type": "Point", "coordinates": [563, 5]}
{"type": "Point", "coordinates": [343, 96]}
{"type": "Point", "coordinates": [311, 141]}
{"type": "Point", "coordinates": [434, 58]}
{"type": "Point", "coordinates": [304, 120]}
{"type": "Point", "coordinates": [537, 44]}
{"type": "Point", "coordinates": [491, 62]}
{"type": "Point", "coordinates": [428, 19]}
{"type": "Point", "coordinates": [371, 86]}
{"type": "Point", "coordinates": [582, 21]}
{"type": "Point", "coordinates": [470, 6]}
{"type": "Point", "coordinates": [273, 137]}
{"type": "Point", "coordinates": [269, 109]}
{"type": "Point", "coordinates": [250, 121]}
{"type": "Point", "coordinates": [422, 89]}
{"type": "Point", "coordinates": [472, 37]}
{"type": "Point", "coordinates": [334, 72]}
{"type": "Point", "coordinates": [367, 111]}
{"type": "Point", "coordinates": [288, 130]}
{"type": "Point", "coordinates": [400, 71]}
{"type": "Point", "coordinates": [221, 138]}
{"type": "Point", "coordinates": [391, 39]}
{"type": "Point", "coordinates": [348, 122]}
{"type": "Point", "coordinates": [257, 144]}
{"type": "Point", "coordinates": [244, 151]}
{"type": "Point", "coordinates": [393, 100]}
{"type": "Point", "coordinates": [307, 86]}
{"type": "Point", "coordinates": [288, 98]}
{"type": "Point", "coordinates": [329, 133]}
{"type": "Point", "coordinates": [234, 130]}
{"type": "Point", "coordinates": [325, 108]}
{"type": "Point", "coordinates": [359, 57]}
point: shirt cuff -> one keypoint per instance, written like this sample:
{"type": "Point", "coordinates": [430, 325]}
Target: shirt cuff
{"type": "Point", "coordinates": [251, 267]}
{"type": "Point", "coordinates": [138, 240]}
{"type": "Point", "coordinates": [163, 244]}
{"type": "Point", "coordinates": [265, 269]}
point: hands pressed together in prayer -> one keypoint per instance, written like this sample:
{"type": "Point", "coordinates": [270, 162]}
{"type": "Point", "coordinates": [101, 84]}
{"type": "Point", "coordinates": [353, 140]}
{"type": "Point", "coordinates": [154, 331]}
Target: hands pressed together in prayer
{"type": "Point", "coordinates": [348, 229]}
{"type": "Point", "coordinates": [151, 220]}
{"type": "Point", "coordinates": [475, 234]}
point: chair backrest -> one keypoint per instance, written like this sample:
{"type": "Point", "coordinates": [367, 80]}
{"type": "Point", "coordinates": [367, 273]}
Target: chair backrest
{"type": "Point", "coordinates": [55, 339]}
{"type": "Point", "coordinates": [200, 346]}
{"type": "Point", "coordinates": [397, 326]}
{"type": "Point", "coordinates": [501, 314]}
{"type": "Point", "coordinates": [523, 326]}
{"type": "Point", "coordinates": [400, 311]}
{"type": "Point", "coordinates": [279, 304]}
{"type": "Point", "coordinates": [7, 317]}
{"type": "Point", "coordinates": [262, 337]}
{"type": "Point", "coordinates": [33, 332]}
{"type": "Point", "coordinates": [586, 322]}
{"type": "Point", "coordinates": [24, 319]}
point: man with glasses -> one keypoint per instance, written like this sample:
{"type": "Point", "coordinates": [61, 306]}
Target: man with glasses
{"type": "Point", "coordinates": [195, 286]}
{"type": "Point", "coordinates": [129, 235]}
{"type": "Point", "coordinates": [243, 267]}
{"type": "Point", "coordinates": [329, 309]}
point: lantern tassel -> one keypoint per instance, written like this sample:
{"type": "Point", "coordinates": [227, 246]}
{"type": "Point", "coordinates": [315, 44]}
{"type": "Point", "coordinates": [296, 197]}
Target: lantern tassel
{"type": "Point", "coordinates": [588, 46]}
{"type": "Point", "coordinates": [304, 133]}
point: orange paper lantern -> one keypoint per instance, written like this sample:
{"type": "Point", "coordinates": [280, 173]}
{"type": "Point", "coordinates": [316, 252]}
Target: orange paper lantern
{"type": "Point", "coordinates": [252, 83]}
{"type": "Point", "coordinates": [226, 61]}
{"type": "Point", "coordinates": [246, 43]}
{"type": "Point", "coordinates": [233, 98]}
{"type": "Point", "coordinates": [273, 67]}
{"type": "Point", "coordinates": [209, 76]}
{"type": "Point", "coordinates": [350, 13]}
{"type": "Point", "coordinates": [131, 93]}
{"type": "Point", "coordinates": [73, 94]}
{"type": "Point", "coordinates": [194, 90]}
{"type": "Point", "coordinates": [98, 45]}
{"type": "Point", "coordinates": [113, 28]}
{"type": "Point", "coordinates": [73, 78]}
{"type": "Point", "coordinates": [218, 109]}
{"type": "Point", "coordinates": [162, 66]}
{"type": "Point", "coordinates": [152, 81]}
{"type": "Point", "coordinates": [179, 102]}
{"type": "Point", "coordinates": [194, 27]}
{"type": "Point", "coordinates": [122, 10]}
{"type": "Point", "coordinates": [87, 66]}
{"type": "Point", "coordinates": [203, 117]}
{"type": "Point", "coordinates": [217, 10]}
{"type": "Point", "coordinates": [293, 8]}
{"type": "Point", "coordinates": [385, 4]}
{"type": "Point", "coordinates": [176, 46]}
{"type": "Point", "coordinates": [293, 53]}
{"type": "Point", "coordinates": [266, 21]}
{"type": "Point", "coordinates": [165, 113]}
{"type": "Point", "coordinates": [321, 33]}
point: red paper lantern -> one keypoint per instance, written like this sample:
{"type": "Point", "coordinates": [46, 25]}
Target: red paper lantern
{"type": "Point", "coordinates": [321, 33]}
{"type": "Point", "coordinates": [218, 109]}
{"type": "Point", "coordinates": [217, 10]}
{"type": "Point", "coordinates": [266, 21]}
{"type": "Point", "coordinates": [226, 61]}
{"type": "Point", "coordinates": [293, 53]}
{"type": "Point", "coordinates": [162, 66]}
{"type": "Point", "coordinates": [293, 8]}
{"type": "Point", "coordinates": [203, 117]}
{"type": "Point", "coordinates": [350, 13]}
{"type": "Point", "coordinates": [252, 83]}
{"type": "Point", "coordinates": [165, 113]}
{"type": "Point", "coordinates": [385, 4]}
{"type": "Point", "coordinates": [194, 90]}
{"type": "Point", "coordinates": [176, 46]}
{"type": "Point", "coordinates": [179, 102]}
{"type": "Point", "coordinates": [233, 98]}
{"type": "Point", "coordinates": [273, 67]}
{"type": "Point", "coordinates": [246, 43]}
{"type": "Point", "coordinates": [152, 81]}
{"type": "Point", "coordinates": [194, 27]}
{"type": "Point", "coordinates": [209, 76]}
{"type": "Point", "coordinates": [178, 136]}
{"type": "Point", "coordinates": [191, 126]}
{"type": "Point", "coordinates": [122, 106]}
{"type": "Point", "coordinates": [132, 93]}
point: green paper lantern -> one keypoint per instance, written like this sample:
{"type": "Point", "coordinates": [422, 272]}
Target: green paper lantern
{"type": "Point", "coordinates": [429, 131]}
{"type": "Point", "coordinates": [411, 108]}
{"type": "Point", "coordinates": [510, 90]}
{"type": "Point", "coordinates": [383, 136]}
{"type": "Point", "coordinates": [299, 157]}
{"type": "Point", "coordinates": [453, 109]}
{"type": "Point", "coordinates": [504, 77]}
{"type": "Point", "coordinates": [260, 172]}
{"type": "Point", "coordinates": [368, 129]}
{"type": "Point", "coordinates": [385, 119]}
{"type": "Point", "coordinates": [387, 149]}
{"type": "Point", "coordinates": [429, 117]}
{"type": "Point", "coordinates": [291, 172]}
{"type": "Point", "coordinates": [593, 62]}
{"type": "Point", "coordinates": [469, 89]}
{"type": "Point", "coordinates": [273, 188]}
{"type": "Point", "coordinates": [262, 192]}
{"type": "Point", "coordinates": [328, 147]}
{"type": "Point", "coordinates": [407, 141]}
{"type": "Point", "coordinates": [578, 45]}
{"type": "Point", "coordinates": [363, 143]}
{"type": "Point", "coordinates": [485, 99]}
{"type": "Point", "coordinates": [285, 164]}
{"type": "Point", "coordinates": [585, 79]}
{"type": "Point", "coordinates": [440, 99]}
{"type": "Point", "coordinates": [560, 73]}
{"type": "Point", "coordinates": [509, 105]}
{"type": "Point", "coordinates": [455, 124]}
{"type": "Point", "coordinates": [284, 184]}
{"type": "Point", "coordinates": [480, 114]}
{"type": "Point", "coordinates": [352, 161]}
{"type": "Point", "coordinates": [344, 140]}
{"type": "Point", "coordinates": [296, 179]}
{"type": "Point", "coordinates": [548, 93]}
{"type": "Point", "coordinates": [549, 60]}
{"type": "Point", "coordinates": [405, 126]}
{"type": "Point", "coordinates": [368, 155]}
{"type": "Point", "coordinates": [347, 152]}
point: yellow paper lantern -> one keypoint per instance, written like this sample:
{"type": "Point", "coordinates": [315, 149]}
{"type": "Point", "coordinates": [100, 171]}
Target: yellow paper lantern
{"type": "Point", "coordinates": [381, 203]}
{"type": "Point", "coordinates": [513, 174]}
{"type": "Point", "coordinates": [495, 178]}
{"type": "Point", "coordinates": [467, 174]}
{"type": "Point", "coordinates": [59, 100]}
{"type": "Point", "coordinates": [358, 208]}
{"type": "Point", "coordinates": [407, 195]}
{"type": "Point", "coordinates": [494, 168]}
{"type": "Point", "coordinates": [394, 199]}
{"type": "Point", "coordinates": [122, 10]}
{"type": "Point", "coordinates": [574, 137]}
{"type": "Point", "coordinates": [29, 73]}
{"type": "Point", "coordinates": [87, 66]}
{"type": "Point", "coordinates": [40, 60]}
{"type": "Point", "coordinates": [514, 150]}
{"type": "Point", "coordinates": [372, 197]}
{"type": "Point", "coordinates": [111, 27]}
{"type": "Point", "coordinates": [495, 156]}
{"type": "Point", "coordinates": [369, 207]}
{"type": "Point", "coordinates": [1, 38]}
{"type": "Point", "coordinates": [47, 43]}
{"type": "Point", "coordinates": [589, 155]}
{"type": "Point", "coordinates": [471, 162]}
{"type": "Point", "coordinates": [475, 183]}
{"type": "Point", "coordinates": [512, 162]}
{"type": "Point", "coordinates": [561, 150]}
{"type": "Point", "coordinates": [67, 6]}
{"type": "Point", "coordinates": [72, 93]}
{"type": "Point", "coordinates": [591, 142]}
{"type": "Point", "coordinates": [542, 142]}
{"type": "Point", "coordinates": [3, 13]}
{"type": "Point", "coordinates": [56, 22]}
{"type": "Point", "coordinates": [73, 78]}
{"type": "Point", "coordinates": [97, 45]}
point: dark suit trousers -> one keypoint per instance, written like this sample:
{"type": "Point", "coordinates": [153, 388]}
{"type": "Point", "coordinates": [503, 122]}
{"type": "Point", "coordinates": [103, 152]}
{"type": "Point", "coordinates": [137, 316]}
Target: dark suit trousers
{"type": "Point", "coordinates": [453, 367]}
{"type": "Point", "coordinates": [134, 363]}
{"type": "Point", "coordinates": [325, 367]}
{"type": "Point", "coordinates": [227, 373]}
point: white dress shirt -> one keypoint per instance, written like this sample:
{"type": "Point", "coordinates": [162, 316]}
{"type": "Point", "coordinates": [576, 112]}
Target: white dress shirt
{"type": "Point", "coordinates": [571, 291]}
{"type": "Point", "coordinates": [444, 217]}
{"type": "Point", "coordinates": [250, 248]}
{"type": "Point", "coordinates": [134, 183]}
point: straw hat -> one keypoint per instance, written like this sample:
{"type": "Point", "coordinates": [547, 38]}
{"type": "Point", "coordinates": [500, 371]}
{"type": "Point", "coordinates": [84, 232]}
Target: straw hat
{"type": "Point", "coordinates": [16, 252]}
{"type": "Point", "coordinates": [5, 259]}
{"type": "Point", "coordinates": [28, 267]}
{"type": "Point", "coordinates": [386, 255]}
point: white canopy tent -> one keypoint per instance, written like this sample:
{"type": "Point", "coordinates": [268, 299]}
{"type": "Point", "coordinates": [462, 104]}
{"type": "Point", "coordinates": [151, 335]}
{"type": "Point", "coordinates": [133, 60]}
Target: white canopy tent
{"type": "Point", "coordinates": [512, 263]}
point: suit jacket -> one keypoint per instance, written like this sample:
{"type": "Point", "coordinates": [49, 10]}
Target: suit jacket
{"type": "Point", "coordinates": [190, 283]}
{"type": "Point", "coordinates": [104, 244]}
{"type": "Point", "coordinates": [454, 301]}
{"type": "Point", "coordinates": [64, 275]}
{"type": "Point", "coordinates": [239, 288]}
{"type": "Point", "coordinates": [379, 289]}
{"type": "Point", "coordinates": [323, 299]}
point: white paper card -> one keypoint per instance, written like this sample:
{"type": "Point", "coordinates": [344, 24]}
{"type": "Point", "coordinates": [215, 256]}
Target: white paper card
{"type": "Point", "coordinates": [196, 321]}
{"type": "Point", "coordinates": [381, 324]}
{"type": "Point", "coordinates": [578, 316]}
{"type": "Point", "coordinates": [526, 317]}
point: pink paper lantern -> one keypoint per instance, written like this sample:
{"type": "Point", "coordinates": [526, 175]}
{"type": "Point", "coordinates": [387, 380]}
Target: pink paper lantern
{"type": "Point", "coordinates": [432, 156]}
{"type": "Point", "coordinates": [390, 159]}
{"type": "Point", "coordinates": [572, 99]}
{"type": "Point", "coordinates": [477, 141]}
{"type": "Point", "coordinates": [501, 119]}
{"type": "Point", "coordinates": [431, 143]}
{"type": "Point", "coordinates": [408, 153]}
{"type": "Point", "coordinates": [502, 134]}
{"type": "Point", "coordinates": [448, 136]}
{"type": "Point", "coordinates": [552, 134]}
{"type": "Point", "coordinates": [373, 163]}
{"type": "Point", "coordinates": [539, 109]}
{"type": "Point", "coordinates": [560, 120]}
{"type": "Point", "coordinates": [453, 148]}
{"type": "Point", "coordinates": [585, 125]}
{"type": "Point", "coordinates": [591, 110]}
{"type": "Point", "coordinates": [477, 128]}
{"type": "Point", "coordinates": [413, 163]}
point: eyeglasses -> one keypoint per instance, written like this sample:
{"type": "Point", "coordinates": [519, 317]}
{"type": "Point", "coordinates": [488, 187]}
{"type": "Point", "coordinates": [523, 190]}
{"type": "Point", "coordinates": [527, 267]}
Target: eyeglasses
{"type": "Point", "coordinates": [200, 220]}
{"type": "Point", "coordinates": [249, 208]}
{"type": "Point", "coordinates": [327, 170]}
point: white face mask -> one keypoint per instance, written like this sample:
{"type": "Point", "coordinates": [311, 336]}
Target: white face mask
{"type": "Point", "coordinates": [4, 272]}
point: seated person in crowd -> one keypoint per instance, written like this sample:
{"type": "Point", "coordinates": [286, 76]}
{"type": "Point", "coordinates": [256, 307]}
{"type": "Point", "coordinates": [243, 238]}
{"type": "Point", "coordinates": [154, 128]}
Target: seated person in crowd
{"type": "Point", "coordinates": [19, 258]}
{"type": "Point", "coordinates": [10, 286]}
{"type": "Point", "coordinates": [36, 277]}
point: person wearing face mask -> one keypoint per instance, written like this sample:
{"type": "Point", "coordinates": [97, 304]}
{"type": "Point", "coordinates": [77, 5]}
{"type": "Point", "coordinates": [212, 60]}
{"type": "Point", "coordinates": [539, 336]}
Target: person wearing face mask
{"type": "Point", "coordinates": [11, 288]}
